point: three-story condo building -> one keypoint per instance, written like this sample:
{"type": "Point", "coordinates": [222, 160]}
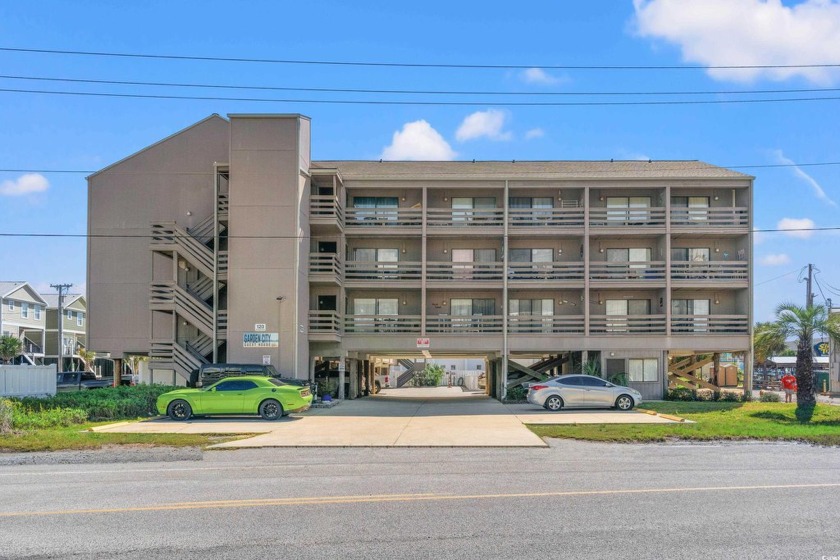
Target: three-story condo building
{"type": "Point", "coordinates": [226, 243]}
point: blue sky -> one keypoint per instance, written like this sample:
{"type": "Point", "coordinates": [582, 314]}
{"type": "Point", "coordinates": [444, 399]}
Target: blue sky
{"type": "Point", "coordinates": [43, 132]}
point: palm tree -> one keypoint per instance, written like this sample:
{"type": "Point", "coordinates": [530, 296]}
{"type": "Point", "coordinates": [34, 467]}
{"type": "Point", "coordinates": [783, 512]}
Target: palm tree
{"type": "Point", "coordinates": [802, 323]}
{"type": "Point", "coordinates": [10, 346]}
{"type": "Point", "coordinates": [88, 357]}
{"type": "Point", "coordinates": [767, 342]}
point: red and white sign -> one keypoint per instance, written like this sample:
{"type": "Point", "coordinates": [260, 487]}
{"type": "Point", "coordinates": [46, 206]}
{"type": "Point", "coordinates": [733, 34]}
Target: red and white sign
{"type": "Point", "coordinates": [423, 343]}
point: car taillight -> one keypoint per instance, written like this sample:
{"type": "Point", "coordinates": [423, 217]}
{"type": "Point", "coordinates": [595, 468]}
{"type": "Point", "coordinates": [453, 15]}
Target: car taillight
{"type": "Point", "coordinates": [538, 387]}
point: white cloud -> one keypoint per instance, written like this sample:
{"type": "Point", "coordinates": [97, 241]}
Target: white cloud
{"type": "Point", "coordinates": [483, 124]}
{"type": "Point", "coordinates": [818, 190]}
{"type": "Point", "coordinates": [538, 76]}
{"type": "Point", "coordinates": [759, 237]}
{"type": "Point", "coordinates": [775, 259]}
{"type": "Point", "coordinates": [748, 33]}
{"type": "Point", "coordinates": [534, 133]}
{"type": "Point", "coordinates": [418, 141]}
{"type": "Point", "coordinates": [797, 227]}
{"type": "Point", "coordinates": [30, 183]}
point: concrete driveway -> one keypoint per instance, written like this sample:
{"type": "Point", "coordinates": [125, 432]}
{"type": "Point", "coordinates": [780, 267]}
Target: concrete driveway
{"type": "Point", "coordinates": [470, 421]}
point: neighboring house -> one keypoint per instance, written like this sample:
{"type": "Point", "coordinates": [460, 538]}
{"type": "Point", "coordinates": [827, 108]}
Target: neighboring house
{"type": "Point", "coordinates": [23, 315]}
{"type": "Point", "coordinates": [74, 325]}
{"type": "Point", "coordinates": [252, 252]}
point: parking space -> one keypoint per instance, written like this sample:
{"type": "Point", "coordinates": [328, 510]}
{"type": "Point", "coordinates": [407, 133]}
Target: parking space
{"type": "Point", "coordinates": [395, 421]}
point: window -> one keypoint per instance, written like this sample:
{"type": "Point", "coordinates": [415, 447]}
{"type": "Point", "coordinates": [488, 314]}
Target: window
{"type": "Point", "coordinates": [628, 209]}
{"type": "Point", "coordinates": [373, 306]}
{"type": "Point", "coordinates": [628, 307]}
{"type": "Point", "coordinates": [228, 386]}
{"type": "Point", "coordinates": [690, 254]}
{"type": "Point", "coordinates": [470, 256]}
{"type": "Point", "coordinates": [80, 319]}
{"type": "Point", "coordinates": [592, 382]}
{"type": "Point", "coordinates": [383, 207]}
{"type": "Point", "coordinates": [573, 381]}
{"type": "Point", "coordinates": [11, 305]}
{"type": "Point", "coordinates": [643, 370]}
{"type": "Point", "coordinates": [690, 209]}
{"type": "Point", "coordinates": [462, 208]}
{"type": "Point", "coordinates": [70, 314]}
{"type": "Point", "coordinates": [531, 306]}
{"type": "Point", "coordinates": [37, 312]}
{"type": "Point", "coordinates": [690, 315]}
{"type": "Point", "coordinates": [24, 310]}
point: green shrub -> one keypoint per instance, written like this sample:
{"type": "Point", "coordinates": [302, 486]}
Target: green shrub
{"type": "Point", "coordinates": [680, 394]}
{"type": "Point", "coordinates": [111, 403]}
{"type": "Point", "coordinates": [618, 379]}
{"type": "Point", "coordinates": [704, 395]}
{"type": "Point", "coordinates": [6, 416]}
{"type": "Point", "coordinates": [730, 396]}
{"type": "Point", "coordinates": [27, 419]}
{"type": "Point", "coordinates": [518, 393]}
{"type": "Point", "coordinates": [770, 396]}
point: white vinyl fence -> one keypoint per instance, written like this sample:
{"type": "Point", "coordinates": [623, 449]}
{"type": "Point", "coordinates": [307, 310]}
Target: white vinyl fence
{"type": "Point", "coordinates": [27, 381]}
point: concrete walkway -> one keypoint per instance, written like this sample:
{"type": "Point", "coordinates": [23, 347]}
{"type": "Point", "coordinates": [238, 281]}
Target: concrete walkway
{"type": "Point", "coordinates": [470, 421]}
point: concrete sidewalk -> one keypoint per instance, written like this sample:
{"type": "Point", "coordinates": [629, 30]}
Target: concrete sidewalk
{"type": "Point", "coordinates": [393, 422]}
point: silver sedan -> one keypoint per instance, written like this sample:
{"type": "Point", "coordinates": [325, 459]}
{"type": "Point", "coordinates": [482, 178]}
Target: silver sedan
{"type": "Point", "coordinates": [582, 391]}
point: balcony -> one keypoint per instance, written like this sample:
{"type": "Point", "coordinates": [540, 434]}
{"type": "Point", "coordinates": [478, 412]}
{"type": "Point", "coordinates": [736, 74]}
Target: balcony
{"type": "Point", "coordinates": [709, 324]}
{"type": "Point", "coordinates": [705, 218]}
{"type": "Point", "coordinates": [627, 324]}
{"type": "Point", "coordinates": [325, 213]}
{"type": "Point", "coordinates": [382, 324]}
{"type": "Point", "coordinates": [325, 268]}
{"type": "Point", "coordinates": [377, 219]}
{"type": "Point", "coordinates": [545, 324]}
{"type": "Point", "coordinates": [528, 219]}
{"type": "Point", "coordinates": [538, 272]}
{"type": "Point", "coordinates": [458, 221]}
{"type": "Point", "coordinates": [445, 271]}
{"type": "Point", "coordinates": [704, 272]}
{"type": "Point", "coordinates": [644, 219]}
{"type": "Point", "coordinates": [626, 272]}
{"type": "Point", "coordinates": [325, 325]}
{"type": "Point", "coordinates": [458, 324]}
{"type": "Point", "coordinates": [378, 271]}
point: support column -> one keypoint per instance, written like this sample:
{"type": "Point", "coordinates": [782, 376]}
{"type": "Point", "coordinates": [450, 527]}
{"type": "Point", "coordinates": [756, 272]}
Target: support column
{"type": "Point", "coordinates": [585, 267]}
{"type": "Point", "coordinates": [505, 348]}
{"type": "Point", "coordinates": [748, 373]}
{"type": "Point", "coordinates": [668, 261]}
{"type": "Point", "coordinates": [424, 211]}
{"type": "Point", "coordinates": [342, 374]}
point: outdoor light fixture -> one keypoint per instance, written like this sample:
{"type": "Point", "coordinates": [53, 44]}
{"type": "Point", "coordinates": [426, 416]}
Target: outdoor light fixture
{"type": "Point", "coordinates": [717, 300]}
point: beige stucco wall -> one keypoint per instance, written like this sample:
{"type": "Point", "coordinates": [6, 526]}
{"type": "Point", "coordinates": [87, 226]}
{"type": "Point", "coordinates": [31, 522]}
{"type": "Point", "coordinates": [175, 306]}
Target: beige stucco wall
{"type": "Point", "coordinates": [161, 183]}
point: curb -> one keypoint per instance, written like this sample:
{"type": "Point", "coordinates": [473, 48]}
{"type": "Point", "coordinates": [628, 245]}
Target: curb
{"type": "Point", "coordinates": [665, 416]}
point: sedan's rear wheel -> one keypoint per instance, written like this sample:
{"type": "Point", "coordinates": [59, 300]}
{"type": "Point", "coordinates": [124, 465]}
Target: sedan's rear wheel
{"type": "Point", "coordinates": [271, 410]}
{"type": "Point", "coordinates": [179, 410]}
{"type": "Point", "coordinates": [553, 403]}
{"type": "Point", "coordinates": [624, 402]}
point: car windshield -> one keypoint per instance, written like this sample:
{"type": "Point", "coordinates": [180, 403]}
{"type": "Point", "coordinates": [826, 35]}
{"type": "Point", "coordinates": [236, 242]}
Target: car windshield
{"type": "Point", "coordinates": [276, 381]}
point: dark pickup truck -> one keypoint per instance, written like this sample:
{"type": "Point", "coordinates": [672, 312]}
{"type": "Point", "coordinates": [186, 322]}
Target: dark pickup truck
{"type": "Point", "coordinates": [79, 381]}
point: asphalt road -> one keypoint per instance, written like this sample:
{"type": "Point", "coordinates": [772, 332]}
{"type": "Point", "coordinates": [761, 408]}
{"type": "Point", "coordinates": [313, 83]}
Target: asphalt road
{"type": "Point", "coordinates": [572, 500]}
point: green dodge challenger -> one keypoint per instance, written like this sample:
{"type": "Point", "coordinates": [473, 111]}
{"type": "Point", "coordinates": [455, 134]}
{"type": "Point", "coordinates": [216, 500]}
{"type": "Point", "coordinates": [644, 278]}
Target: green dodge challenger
{"type": "Point", "coordinates": [266, 396]}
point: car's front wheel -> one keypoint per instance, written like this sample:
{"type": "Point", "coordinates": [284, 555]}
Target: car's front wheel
{"type": "Point", "coordinates": [271, 410]}
{"type": "Point", "coordinates": [553, 403]}
{"type": "Point", "coordinates": [624, 402]}
{"type": "Point", "coordinates": [179, 410]}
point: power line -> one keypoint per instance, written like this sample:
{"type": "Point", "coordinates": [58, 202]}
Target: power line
{"type": "Point", "coordinates": [176, 236]}
{"type": "Point", "coordinates": [408, 64]}
{"type": "Point", "coordinates": [413, 91]}
{"type": "Point", "coordinates": [778, 277]}
{"type": "Point", "coordinates": [417, 102]}
{"type": "Point", "coordinates": [659, 169]}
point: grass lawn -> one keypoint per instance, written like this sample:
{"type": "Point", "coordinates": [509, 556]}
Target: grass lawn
{"type": "Point", "coordinates": [80, 437]}
{"type": "Point", "coordinates": [714, 421]}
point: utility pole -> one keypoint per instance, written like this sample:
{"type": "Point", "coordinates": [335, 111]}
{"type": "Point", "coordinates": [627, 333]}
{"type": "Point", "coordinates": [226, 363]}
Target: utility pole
{"type": "Point", "coordinates": [809, 295]}
{"type": "Point", "coordinates": [62, 290]}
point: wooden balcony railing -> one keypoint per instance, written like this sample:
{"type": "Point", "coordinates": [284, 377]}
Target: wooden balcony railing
{"type": "Point", "coordinates": [545, 217]}
{"type": "Point", "coordinates": [709, 324]}
{"type": "Point", "coordinates": [624, 271]}
{"type": "Point", "coordinates": [684, 218]}
{"type": "Point", "coordinates": [627, 324]}
{"type": "Point", "coordinates": [476, 217]}
{"type": "Point", "coordinates": [382, 271]}
{"type": "Point", "coordinates": [626, 217]}
{"type": "Point", "coordinates": [545, 324]}
{"type": "Point", "coordinates": [457, 324]}
{"type": "Point", "coordinates": [384, 217]}
{"type": "Point", "coordinates": [325, 322]}
{"type": "Point", "coordinates": [735, 270]}
{"type": "Point", "coordinates": [544, 271]}
{"type": "Point", "coordinates": [467, 271]}
{"type": "Point", "coordinates": [325, 208]}
{"type": "Point", "coordinates": [325, 264]}
{"type": "Point", "coordinates": [382, 324]}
